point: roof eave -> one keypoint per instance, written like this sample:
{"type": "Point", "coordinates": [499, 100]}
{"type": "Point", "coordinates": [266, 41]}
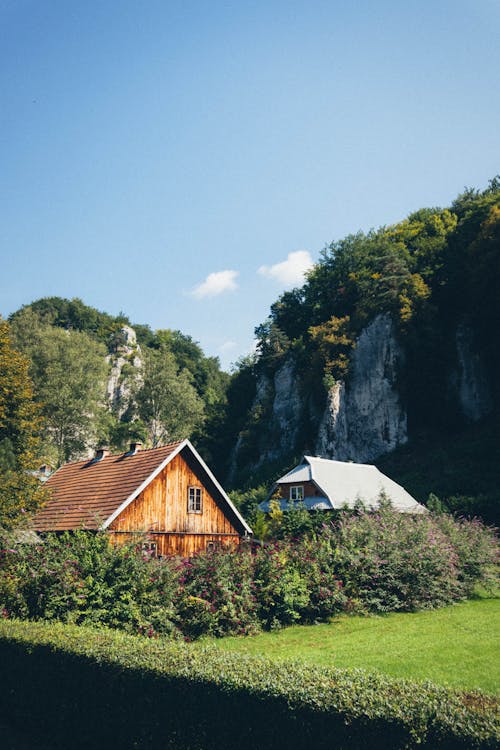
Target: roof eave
{"type": "Point", "coordinates": [158, 470]}
{"type": "Point", "coordinates": [236, 512]}
{"type": "Point", "coordinates": [142, 486]}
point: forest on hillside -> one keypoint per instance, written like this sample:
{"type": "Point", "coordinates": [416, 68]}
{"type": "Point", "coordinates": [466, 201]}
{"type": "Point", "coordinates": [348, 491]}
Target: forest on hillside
{"type": "Point", "coordinates": [433, 272]}
{"type": "Point", "coordinates": [75, 377]}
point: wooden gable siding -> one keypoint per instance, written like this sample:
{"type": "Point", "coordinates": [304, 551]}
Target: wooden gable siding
{"type": "Point", "coordinates": [161, 511]}
{"type": "Point", "coordinates": [310, 489]}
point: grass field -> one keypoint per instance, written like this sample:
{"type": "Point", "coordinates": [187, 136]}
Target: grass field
{"type": "Point", "coordinates": [457, 646]}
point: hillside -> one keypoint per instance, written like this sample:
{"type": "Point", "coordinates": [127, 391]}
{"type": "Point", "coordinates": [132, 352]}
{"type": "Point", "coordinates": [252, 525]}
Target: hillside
{"type": "Point", "coordinates": [100, 380]}
{"type": "Point", "coordinates": [388, 353]}
{"type": "Point", "coordinates": [391, 342]}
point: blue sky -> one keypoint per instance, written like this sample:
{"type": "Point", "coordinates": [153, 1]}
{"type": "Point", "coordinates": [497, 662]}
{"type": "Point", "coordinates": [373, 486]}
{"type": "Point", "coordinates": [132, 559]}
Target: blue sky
{"type": "Point", "coordinates": [183, 162]}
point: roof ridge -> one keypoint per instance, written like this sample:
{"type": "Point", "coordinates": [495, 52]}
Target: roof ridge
{"type": "Point", "coordinates": [338, 461]}
{"type": "Point", "coordinates": [117, 455]}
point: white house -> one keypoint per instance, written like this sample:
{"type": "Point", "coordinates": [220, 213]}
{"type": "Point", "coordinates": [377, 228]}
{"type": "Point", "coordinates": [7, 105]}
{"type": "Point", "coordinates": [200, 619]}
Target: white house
{"type": "Point", "coordinates": [323, 484]}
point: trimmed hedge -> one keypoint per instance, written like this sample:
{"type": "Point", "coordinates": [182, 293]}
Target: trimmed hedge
{"type": "Point", "coordinates": [101, 688]}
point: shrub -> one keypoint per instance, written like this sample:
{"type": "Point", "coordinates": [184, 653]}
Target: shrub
{"type": "Point", "coordinates": [476, 549]}
{"type": "Point", "coordinates": [368, 562]}
{"type": "Point", "coordinates": [281, 592]}
{"type": "Point", "coordinates": [102, 688]}
{"type": "Point", "coordinates": [393, 561]}
{"type": "Point", "coordinates": [82, 578]}
{"type": "Point", "coordinates": [223, 578]}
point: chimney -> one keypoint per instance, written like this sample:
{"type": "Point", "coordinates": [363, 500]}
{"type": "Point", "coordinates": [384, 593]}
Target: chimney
{"type": "Point", "coordinates": [101, 452]}
{"type": "Point", "coordinates": [135, 448]}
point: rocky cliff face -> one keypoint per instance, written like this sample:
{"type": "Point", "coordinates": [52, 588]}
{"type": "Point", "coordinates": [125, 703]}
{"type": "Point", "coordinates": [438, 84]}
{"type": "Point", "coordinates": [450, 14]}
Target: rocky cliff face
{"type": "Point", "coordinates": [470, 381]}
{"type": "Point", "coordinates": [364, 417]}
{"type": "Point", "coordinates": [125, 366]}
{"type": "Point", "coordinates": [277, 410]}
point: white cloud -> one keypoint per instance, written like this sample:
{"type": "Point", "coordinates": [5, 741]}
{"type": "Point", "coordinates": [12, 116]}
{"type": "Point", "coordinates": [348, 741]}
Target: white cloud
{"type": "Point", "coordinates": [216, 283]}
{"type": "Point", "coordinates": [290, 271]}
{"type": "Point", "coordinates": [227, 346]}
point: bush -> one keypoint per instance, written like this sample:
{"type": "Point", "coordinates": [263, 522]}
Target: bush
{"type": "Point", "coordinates": [368, 562]}
{"type": "Point", "coordinates": [82, 578]}
{"type": "Point", "coordinates": [296, 583]}
{"type": "Point", "coordinates": [223, 579]}
{"type": "Point", "coordinates": [394, 561]}
{"type": "Point", "coordinates": [101, 688]}
{"type": "Point", "coordinates": [476, 550]}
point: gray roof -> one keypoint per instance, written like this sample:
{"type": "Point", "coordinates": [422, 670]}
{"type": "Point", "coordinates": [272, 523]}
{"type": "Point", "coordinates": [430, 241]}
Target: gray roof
{"type": "Point", "coordinates": [343, 483]}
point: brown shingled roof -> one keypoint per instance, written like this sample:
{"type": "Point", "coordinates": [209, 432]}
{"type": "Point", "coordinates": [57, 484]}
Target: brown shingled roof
{"type": "Point", "coordinates": [87, 493]}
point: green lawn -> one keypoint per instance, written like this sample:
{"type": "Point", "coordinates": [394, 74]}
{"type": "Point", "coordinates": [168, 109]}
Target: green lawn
{"type": "Point", "coordinates": [458, 646]}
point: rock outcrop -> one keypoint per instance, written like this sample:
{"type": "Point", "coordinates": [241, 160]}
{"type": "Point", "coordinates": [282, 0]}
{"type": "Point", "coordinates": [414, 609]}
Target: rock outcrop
{"type": "Point", "coordinates": [125, 367]}
{"type": "Point", "coordinates": [470, 382]}
{"type": "Point", "coordinates": [364, 417]}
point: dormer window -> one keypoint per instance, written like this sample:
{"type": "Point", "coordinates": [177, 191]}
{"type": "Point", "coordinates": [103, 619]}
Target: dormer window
{"type": "Point", "coordinates": [297, 493]}
{"type": "Point", "coordinates": [194, 500]}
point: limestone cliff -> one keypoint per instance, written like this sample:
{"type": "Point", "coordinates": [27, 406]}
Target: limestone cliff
{"type": "Point", "coordinates": [125, 367]}
{"type": "Point", "coordinates": [470, 380]}
{"type": "Point", "coordinates": [364, 418]}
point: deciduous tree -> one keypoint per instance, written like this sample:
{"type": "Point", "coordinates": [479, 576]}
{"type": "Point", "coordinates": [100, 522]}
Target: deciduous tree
{"type": "Point", "coordinates": [20, 491]}
{"type": "Point", "coordinates": [167, 402]}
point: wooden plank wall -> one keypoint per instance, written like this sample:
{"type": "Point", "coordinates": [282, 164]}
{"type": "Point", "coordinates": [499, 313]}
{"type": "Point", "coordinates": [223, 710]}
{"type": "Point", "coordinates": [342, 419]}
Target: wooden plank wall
{"type": "Point", "coordinates": [182, 545]}
{"type": "Point", "coordinates": [310, 489]}
{"type": "Point", "coordinates": [161, 511]}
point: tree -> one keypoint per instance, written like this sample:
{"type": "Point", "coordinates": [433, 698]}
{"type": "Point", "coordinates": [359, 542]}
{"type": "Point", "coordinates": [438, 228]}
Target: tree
{"type": "Point", "coordinates": [20, 492]}
{"type": "Point", "coordinates": [166, 400]}
{"type": "Point", "coordinates": [69, 374]}
{"type": "Point", "coordinates": [333, 342]}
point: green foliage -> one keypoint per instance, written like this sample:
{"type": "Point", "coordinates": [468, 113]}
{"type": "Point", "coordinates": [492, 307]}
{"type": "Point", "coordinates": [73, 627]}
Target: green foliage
{"type": "Point", "coordinates": [296, 583]}
{"type": "Point", "coordinates": [209, 380]}
{"type": "Point", "coordinates": [476, 553]}
{"type": "Point", "coordinates": [20, 492]}
{"type": "Point", "coordinates": [391, 562]}
{"type": "Point", "coordinates": [247, 501]}
{"type": "Point", "coordinates": [334, 345]}
{"type": "Point", "coordinates": [74, 315]}
{"type": "Point", "coordinates": [218, 594]}
{"type": "Point", "coordinates": [81, 683]}
{"type": "Point", "coordinates": [80, 577]}
{"type": "Point", "coordinates": [69, 372]}
{"type": "Point", "coordinates": [167, 402]}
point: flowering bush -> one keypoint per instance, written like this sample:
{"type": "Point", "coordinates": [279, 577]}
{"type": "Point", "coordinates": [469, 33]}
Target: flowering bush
{"type": "Point", "coordinates": [368, 562]}
{"type": "Point", "coordinates": [82, 578]}
{"type": "Point", "coordinates": [395, 561]}
{"type": "Point", "coordinates": [476, 549]}
{"type": "Point", "coordinates": [296, 583]}
{"type": "Point", "coordinates": [223, 579]}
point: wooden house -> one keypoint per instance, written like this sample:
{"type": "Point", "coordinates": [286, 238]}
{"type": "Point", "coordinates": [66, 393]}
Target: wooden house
{"type": "Point", "coordinates": [168, 494]}
{"type": "Point", "coordinates": [324, 484]}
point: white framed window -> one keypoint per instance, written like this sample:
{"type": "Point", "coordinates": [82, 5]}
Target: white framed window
{"type": "Point", "coordinates": [297, 493]}
{"type": "Point", "coordinates": [195, 500]}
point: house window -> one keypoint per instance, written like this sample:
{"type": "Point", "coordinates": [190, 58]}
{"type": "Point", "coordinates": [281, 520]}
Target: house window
{"type": "Point", "coordinates": [194, 500]}
{"type": "Point", "coordinates": [297, 493]}
{"type": "Point", "coordinates": [149, 549]}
